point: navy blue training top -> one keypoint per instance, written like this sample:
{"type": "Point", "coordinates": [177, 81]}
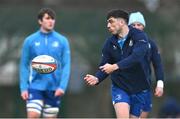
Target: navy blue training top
{"type": "Point", "coordinates": [133, 60]}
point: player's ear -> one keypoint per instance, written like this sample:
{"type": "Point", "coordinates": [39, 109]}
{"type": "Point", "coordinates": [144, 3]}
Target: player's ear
{"type": "Point", "coordinates": [120, 21]}
{"type": "Point", "coordinates": [123, 21]}
{"type": "Point", "coordinates": [40, 21]}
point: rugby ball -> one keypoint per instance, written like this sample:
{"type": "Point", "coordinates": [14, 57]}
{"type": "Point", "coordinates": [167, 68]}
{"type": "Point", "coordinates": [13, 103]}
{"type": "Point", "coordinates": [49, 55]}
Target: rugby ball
{"type": "Point", "coordinates": [44, 64]}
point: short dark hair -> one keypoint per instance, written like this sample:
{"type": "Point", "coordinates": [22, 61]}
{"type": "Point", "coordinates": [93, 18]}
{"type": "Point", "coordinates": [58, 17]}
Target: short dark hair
{"type": "Point", "coordinates": [48, 11]}
{"type": "Point", "coordinates": [118, 13]}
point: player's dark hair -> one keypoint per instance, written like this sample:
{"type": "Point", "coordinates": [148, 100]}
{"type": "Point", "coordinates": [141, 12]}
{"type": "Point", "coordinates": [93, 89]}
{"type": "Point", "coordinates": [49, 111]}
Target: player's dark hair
{"type": "Point", "coordinates": [48, 11]}
{"type": "Point", "coordinates": [117, 13]}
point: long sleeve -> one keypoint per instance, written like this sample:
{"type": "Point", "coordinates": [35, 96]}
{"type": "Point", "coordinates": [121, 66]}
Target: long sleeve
{"type": "Point", "coordinates": [66, 61]}
{"type": "Point", "coordinates": [24, 67]}
{"type": "Point", "coordinates": [104, 59]}
{"type": "Point", "coordinates": [157, 63]}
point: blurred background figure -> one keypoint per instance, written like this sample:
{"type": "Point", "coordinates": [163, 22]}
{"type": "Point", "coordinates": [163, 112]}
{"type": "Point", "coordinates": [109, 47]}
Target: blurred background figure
{"type": "Point", "coordinates": [43, 90]}
{"type": "Point", "coordinates": [137, 21]}
{"type": "Point", "coordinates": [170, 108]}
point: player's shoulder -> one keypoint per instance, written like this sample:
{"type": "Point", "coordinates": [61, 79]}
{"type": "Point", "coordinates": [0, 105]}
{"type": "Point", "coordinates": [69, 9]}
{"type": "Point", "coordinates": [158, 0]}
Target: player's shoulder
{"type": "Point", "coordinates": [59, 36]}
{"type": "Point", "coordinates": [153, 44]}
{"type": "Point", "coordinates": [152, 40]}
{"type": "Point", "coordinates": [33, 35]}
{"type": "Point", "coordinates": [110, 39]}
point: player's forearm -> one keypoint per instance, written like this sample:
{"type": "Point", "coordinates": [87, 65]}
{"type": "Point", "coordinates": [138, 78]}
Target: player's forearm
{"type": "Point", "coordinates": [101, 76]}
{"type": "Point", "coordinates": [65, 77]}
{"type": "Point", "coordinates": [66, 66]}
{"type": "Point", "coordinates": [24, 77]}
{"type": "Point", "coordinates": [23, 85]}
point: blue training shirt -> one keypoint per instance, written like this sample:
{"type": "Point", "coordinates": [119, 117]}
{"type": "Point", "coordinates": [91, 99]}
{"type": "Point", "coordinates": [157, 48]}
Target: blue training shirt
{"type": "Point", "coordinates": [52, 44]}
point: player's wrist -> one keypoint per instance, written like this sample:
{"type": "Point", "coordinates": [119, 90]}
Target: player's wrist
{"type": "Point", "coordinates": [97, 80]}
{"type": "Point", "coordinates": [60, 89]}
{"type": "Point", "coordinates": [115, 66]}
{"type": "Point", "coordinates": [160, 84]}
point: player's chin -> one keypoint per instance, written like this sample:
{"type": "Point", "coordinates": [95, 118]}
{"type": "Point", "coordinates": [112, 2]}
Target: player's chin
{"type": "Point", "coordinates": [113, 33]}
{"type": "Point", "coordinates": [50, 28]}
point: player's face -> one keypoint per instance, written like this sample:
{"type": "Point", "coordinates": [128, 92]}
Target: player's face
{"type": "Point", "coordinates": [114, 25]}
{"type": "Point", "coordinates": [47, 23]}
{"type": "Point", "coordinates": [138, 25]}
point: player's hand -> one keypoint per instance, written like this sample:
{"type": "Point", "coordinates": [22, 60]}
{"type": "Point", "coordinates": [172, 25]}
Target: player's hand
{"type": "Point", "coordinates": [109, 68]}
{"type": "Point", "coordinates": [59, 92]}
{"type": "Point", "coordinates": [91, 80]}
{"type": "Point", "coordinates": [158, 91]}
{"type": "Point", "coordinates": [25, 95]}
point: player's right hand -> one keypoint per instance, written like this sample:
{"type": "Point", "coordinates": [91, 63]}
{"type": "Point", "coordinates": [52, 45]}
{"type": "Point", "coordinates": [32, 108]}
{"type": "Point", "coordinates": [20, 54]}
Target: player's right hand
{"type": "Point", "coordinates": [91, 80]}
{"type": "Point", "coordinates": [25, 95]}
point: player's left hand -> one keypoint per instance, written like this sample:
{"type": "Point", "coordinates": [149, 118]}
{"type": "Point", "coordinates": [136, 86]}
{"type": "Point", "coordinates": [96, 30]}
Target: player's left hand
{"type": "Point", "coordinates": [109, 68]}
{"type": "Point", "coordinates": [59, 92]}
{"type": "Point", "coordinates": [158, 91]}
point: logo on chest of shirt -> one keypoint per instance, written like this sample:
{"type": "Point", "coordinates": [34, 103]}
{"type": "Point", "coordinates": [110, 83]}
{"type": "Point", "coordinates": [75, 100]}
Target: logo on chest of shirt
{"type": "Point", "coordinates": [130, 43]}
{"type": "Point", "coordinates": [114, 47]}
{"type": "Point", "coordinates": [55, 44]}
{"type": "Point", "coordinates": [37, 43]}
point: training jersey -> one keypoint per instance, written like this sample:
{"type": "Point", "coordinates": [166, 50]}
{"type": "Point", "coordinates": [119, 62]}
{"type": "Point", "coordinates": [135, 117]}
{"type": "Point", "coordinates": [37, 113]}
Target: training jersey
{"type": "Point", "coordinates": [52, 44]}
{"type": "Point", "coordinates": [132, 59]}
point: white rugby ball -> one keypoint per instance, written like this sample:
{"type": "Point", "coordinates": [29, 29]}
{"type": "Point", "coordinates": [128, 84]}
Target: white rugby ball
{"type": "Point", "coordinates": [44, 64]}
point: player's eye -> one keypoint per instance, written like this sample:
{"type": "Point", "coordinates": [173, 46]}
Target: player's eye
{"type": "Point", "coordinates": [133, 25]}
{"type": "Point", "coordinates": [138, 24]}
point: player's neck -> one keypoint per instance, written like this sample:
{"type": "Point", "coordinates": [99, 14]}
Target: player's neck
{"type": "Point", "coordinates": [45, 31]}
{"type": "Point", "coordinates": [124, 32]}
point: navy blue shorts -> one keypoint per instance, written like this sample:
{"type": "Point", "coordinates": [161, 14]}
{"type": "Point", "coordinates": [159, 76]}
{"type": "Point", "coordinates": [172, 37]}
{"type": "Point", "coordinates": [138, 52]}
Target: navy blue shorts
{"type": "Point", "coordinates": [147, 107]}
{"type": "Point", "coordinates": [135, 101]}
